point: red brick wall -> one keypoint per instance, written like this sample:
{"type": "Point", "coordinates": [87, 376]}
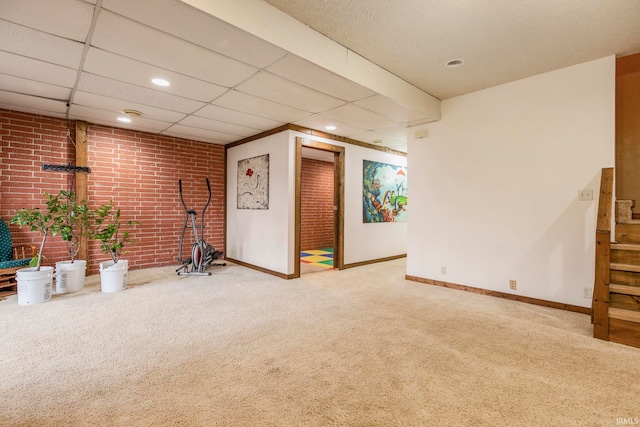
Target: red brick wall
{"type": "Point", "coordinates": [138, 170]}
{"type": "Point", "coordinates": [317, 205]}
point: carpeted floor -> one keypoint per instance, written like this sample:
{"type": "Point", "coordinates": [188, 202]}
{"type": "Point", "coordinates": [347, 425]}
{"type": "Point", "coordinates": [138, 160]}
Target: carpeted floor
{"type": "Point", "coordinates": [359, 347]}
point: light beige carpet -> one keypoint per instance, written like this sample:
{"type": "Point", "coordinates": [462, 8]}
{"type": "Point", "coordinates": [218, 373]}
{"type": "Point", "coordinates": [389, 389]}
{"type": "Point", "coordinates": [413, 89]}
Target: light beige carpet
{"type": "Point", "coordinates": [359, 347]}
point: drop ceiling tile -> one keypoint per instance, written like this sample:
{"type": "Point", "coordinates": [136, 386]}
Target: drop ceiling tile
{"type": "Point", "coordinates": [70, 19]}
{"type": "Point", "coordinates": [117, 67]}
{"type": "Point", "coordinates": [237, 117]}
{"type": "Point", "coordinates": [188, 23]}
{"type": "Point", "coordinates": [269, 86]}
{"type": "Point", "coordinates": [359, 117]}
{"type": "Point", "coordinates": [111, 119]}
{"type": "Point", "coordinates": [310, 75]}
{"type": "Point", "coordinates": [318, 122]}
{"type": "Point", "coordinates": [133, 40]}
{"type": "Point", "coordinates": [115, 89]}
{"type": "Point", "coordinates": [384, 106]}
{"type": "Point", "coordinates": [387, 140]}
{"type": "Point", "coordinates": [217, 126]}
{"type": "Point", "coordinates": [260, 107]}
{"type": "Point", "coordinates": [200, 134]}
{"type": "Point", "coordinates": [20, 101]}
{"type": "Point", "coordinates": [32, 69]}
{"type": "Point", "coordinates": [118, 105]}
{"type": "Point", "coordinates": [25, 41]}
{"type": "Point", "coordinates": [29, 110]}
{"type": "Point", "coordinates": [30, 87]}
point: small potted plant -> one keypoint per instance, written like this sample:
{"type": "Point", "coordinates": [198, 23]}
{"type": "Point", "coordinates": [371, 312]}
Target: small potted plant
{"type": "Point", "coordinates": [35, 281]}
{"type": "Point", "coordinates": [73, 222]}
{"type": "Point", "coordinates": [108, 230]}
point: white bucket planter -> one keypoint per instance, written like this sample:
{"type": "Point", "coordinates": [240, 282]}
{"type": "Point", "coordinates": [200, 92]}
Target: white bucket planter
{"type": "Point", "coordinates": [34, 287]}
{"type": "Point", "coordinates": [113, 276]}
{"type": "Point", "coordinates": [70, 276]}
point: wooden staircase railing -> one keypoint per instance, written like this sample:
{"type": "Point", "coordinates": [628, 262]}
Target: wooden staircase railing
{"type": "Point", "coordinates": [600, 302]}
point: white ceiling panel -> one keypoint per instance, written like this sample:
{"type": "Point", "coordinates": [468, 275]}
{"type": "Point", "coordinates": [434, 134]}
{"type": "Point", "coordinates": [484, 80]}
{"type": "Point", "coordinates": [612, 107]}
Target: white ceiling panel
{"type": "Point", "coordinates": [21, 101]}
{"type": "Point", "coordinates": [318, 122]}
{"type": "Point", "coordinates": [384, 106]}
{"type": "Point", "coordinates": [29, 87]}
{"type": "Point", "coordinates": [269, 86]}
{"type": "Point", "coordinates": [128, 38]}
{"type": "Point", "coordinates": [138, 73]}
{"type": "Point", "coordinates": [200, 134]}
{"type": "Point", "coordinates": [107, 117]}
{"type": "Point", "coordinates": [307, 74]}
{"type": "Point", "coordinates": [199, 28]}
{"type": "Point", "coordinates": [31, 110]}
{"type": "Point", "coordinates": [35, 44]}
{"type": "Point", "coordinates": [239, 101]}
{"type": "Point", "coordinates": [32, 69]}
{"type": "Point", "coordinates": [218, 126]}
{"type": "Point", "coordinates": [359, 117]}
{"type": "Point", "coordinates": [140, 95]}
{"type": "Point", "coordinates": [118, 105]}
{"type": "Point", "coordinates": [215, 112]}
{"type": "Point", "coordinates": [70, 19]}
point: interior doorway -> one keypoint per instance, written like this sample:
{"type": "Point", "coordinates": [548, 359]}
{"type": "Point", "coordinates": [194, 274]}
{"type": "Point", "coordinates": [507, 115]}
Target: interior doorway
{"type": "Point", "coordinates": [319, 206]}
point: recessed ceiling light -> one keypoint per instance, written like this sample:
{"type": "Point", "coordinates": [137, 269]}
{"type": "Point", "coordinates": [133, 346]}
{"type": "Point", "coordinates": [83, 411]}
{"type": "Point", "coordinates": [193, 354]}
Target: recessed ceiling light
{"type": "Point", "coordinates": [330, 127]}
{"type": "Point", "coordinates": [160, 82]}
{"type": "Point", "coordinates": [454, 63]}
{"type": "Point", "coordinates": [124, 119]}
{"type": "Point", "coordinates": [377, 141]}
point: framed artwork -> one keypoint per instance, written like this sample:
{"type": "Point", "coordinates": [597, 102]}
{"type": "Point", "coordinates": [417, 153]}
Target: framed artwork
{"type": "Point", "coordinates": [253, 183]}
{"type": "Point", "coordinates": [384, 192]}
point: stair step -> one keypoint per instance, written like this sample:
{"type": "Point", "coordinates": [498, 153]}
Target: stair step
{"type": "Point", "coordinates": [625, 246]}
{"type": "Point", "coordinates": [625, 267]}
{"type": "Point", "coordinates": [624, 289]}
{"type": "Point", "coordinates": [621, 314]}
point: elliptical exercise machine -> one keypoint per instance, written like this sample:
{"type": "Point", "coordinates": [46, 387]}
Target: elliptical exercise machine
{"type": "Point", "coordinates": [202, 254]}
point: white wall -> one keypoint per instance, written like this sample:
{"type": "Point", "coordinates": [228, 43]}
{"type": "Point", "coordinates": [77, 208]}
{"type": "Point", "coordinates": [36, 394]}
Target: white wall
{"type": "Point", "coordinates": [365, 242]}
{"type": "Point", "coordinates": [263, 238]}
{"type": "Point", "coordinates": [494, 184]}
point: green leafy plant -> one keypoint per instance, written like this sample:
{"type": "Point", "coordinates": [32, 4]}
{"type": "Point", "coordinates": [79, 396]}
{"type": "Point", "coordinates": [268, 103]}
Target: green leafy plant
{"type": "Point", "coordinates": [73, 220]}
{"type": "Point", "coordinates": [108, 231]}
{"type": "Point", "coordinates": [48, 221]}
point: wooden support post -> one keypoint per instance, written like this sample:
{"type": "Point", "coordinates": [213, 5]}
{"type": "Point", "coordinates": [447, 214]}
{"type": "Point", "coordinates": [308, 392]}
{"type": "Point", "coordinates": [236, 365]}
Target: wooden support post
{"type": "Point", "coordinates": [81, 179]}
{"type": "Point", "coordinates": [601, 286]}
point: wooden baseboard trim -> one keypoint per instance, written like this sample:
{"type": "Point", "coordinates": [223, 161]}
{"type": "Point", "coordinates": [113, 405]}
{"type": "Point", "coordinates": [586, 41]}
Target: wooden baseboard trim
{"type": "Point", "coordinates": [373, 261]}
{"type": "Point", "coordinates": [519, 298]}
{"type": "Point", "coordinates": [261, 269]}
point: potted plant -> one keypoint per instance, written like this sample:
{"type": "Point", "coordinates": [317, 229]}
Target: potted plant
{"type": "Point", "coordinates": [35, 281]}
{"type": "Point", "coordinates": [108, 230]}
{"type": "Point", "coordinates": [73, 221]}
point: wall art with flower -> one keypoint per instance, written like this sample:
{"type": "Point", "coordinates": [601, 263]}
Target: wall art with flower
{"type": "Point", "coordinates": [253, 183]}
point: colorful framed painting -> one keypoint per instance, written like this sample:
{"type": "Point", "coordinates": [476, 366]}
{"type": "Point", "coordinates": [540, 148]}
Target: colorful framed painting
{"type": "Point", "coordinates": [384, 192]}
{"type": "Point", "coordinates": [253, 183]}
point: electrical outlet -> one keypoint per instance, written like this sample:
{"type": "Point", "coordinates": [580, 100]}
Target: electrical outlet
{"type": "Point", "coordinates": [585, 195]}
{"type": "Point", "coordinates": [443, 271]}
{"type": "Point", "coordinates": [586, 293]}
{"type": "Point", "coordinates": [512, 285]}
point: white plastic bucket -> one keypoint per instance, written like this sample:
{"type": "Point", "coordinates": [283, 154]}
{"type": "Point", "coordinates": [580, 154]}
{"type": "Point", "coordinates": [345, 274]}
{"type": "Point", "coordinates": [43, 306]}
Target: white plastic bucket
{"type": "Point", "coordinates": [113, 276]}
{"type": "Point", "coordinates": [70, 276]}
{"type": "Point", "coordinates": [34, 287]}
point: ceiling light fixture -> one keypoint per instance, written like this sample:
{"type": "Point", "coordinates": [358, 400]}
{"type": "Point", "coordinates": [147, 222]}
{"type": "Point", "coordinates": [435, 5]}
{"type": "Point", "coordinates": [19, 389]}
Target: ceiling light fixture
{"type": "Point", "coordinates": [377, 141]}
{"type": "Point", "coordinates": [330, 127]}
{"type": "Point", "coordinates": [124, 119]}
{"type": "Point", "coordinates": [160, 82]}
{"type": "Point", "coordinates": [454, 63]}
{"type": "Point", "coordinates": [132, 113]}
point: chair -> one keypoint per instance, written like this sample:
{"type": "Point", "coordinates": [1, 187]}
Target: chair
{"type": "Point", "coordinates": [12, 258]}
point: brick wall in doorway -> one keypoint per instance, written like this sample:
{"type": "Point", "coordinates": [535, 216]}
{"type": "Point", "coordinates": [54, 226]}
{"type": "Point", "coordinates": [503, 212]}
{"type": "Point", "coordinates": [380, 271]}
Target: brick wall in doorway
{"type": "Point", "coordinates": [316, 204]}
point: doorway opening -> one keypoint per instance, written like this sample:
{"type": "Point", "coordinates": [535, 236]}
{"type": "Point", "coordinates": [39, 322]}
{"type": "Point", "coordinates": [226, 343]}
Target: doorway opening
{"type": "Point", "coordinates": [319, 206]}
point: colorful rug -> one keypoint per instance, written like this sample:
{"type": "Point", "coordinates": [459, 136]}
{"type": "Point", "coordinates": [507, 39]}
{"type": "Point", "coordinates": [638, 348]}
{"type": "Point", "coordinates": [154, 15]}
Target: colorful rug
{"type": "Point", "coordinates": [318, 257]}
